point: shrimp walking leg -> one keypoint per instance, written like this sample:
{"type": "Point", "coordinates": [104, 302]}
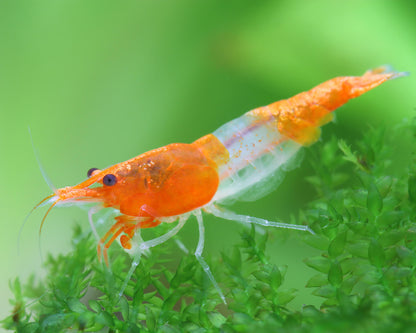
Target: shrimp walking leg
{"type": "Point", "coordinates": [228, 215]}
{"type": "Point", "coordinates": [144, 246]}
{"type": "Point", "coordinates": [114, 232]}
{"type": "Point", "coordinates": [159, 240]}
{"type": "Point", "coordinates": [134, 264]}
{"type": "Point", "coordinates": [91, 212]}
{"type": "Point", "coordinates": [201, 260]}
{"type": "Point", "coordinates": [181, 246]}
{"type": "Point", "coordinates": [128, 225]}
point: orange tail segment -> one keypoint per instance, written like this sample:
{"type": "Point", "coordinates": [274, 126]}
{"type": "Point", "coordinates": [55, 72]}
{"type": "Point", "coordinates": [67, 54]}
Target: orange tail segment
{"type": "Point", "coordinates": [300, 117]}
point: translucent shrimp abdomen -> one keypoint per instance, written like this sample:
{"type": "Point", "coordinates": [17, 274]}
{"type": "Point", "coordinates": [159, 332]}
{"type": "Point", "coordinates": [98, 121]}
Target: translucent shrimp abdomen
{"type": "Point", "coordinates": [259, 155]}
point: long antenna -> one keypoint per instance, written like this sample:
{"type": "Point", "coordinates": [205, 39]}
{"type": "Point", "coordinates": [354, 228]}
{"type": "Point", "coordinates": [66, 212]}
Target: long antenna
{"type": "Point", "coordinates": [48, 199]}
{"type": "Point", "coordinates": [42, 170]}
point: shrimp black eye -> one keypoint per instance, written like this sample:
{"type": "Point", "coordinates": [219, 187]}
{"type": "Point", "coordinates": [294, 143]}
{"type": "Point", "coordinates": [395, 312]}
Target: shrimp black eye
{"type": "Point", "coordinates": [109, 180]}
{"type": "Point", "coordinates": [90, 171]}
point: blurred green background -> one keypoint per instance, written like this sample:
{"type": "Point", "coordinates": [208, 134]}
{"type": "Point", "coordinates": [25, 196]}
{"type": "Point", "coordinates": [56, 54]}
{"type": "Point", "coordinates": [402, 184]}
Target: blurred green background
{"type": "Point", "coordinates": [102, 81]}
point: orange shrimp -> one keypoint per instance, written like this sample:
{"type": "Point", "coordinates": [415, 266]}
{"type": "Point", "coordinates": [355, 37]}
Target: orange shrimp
{"type": "Point", "coordinates": [243, 159]}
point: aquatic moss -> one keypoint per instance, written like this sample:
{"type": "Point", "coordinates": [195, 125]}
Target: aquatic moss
{"type": "Point", "coordinates": [365, 273]}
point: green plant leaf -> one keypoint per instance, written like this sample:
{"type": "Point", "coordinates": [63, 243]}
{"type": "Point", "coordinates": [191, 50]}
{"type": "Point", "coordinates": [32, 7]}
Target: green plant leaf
{"type": "Point", "coordinates": [411, 185]}
{"type": "Point", "coordinates": [320, 264]}
{"type": "Point", "coordinates": [94, 305]}
{"type": "Point", "coordinates": [376, 253]}
{"type": "Point", "coordinates": [317, 280]}
{"type": "Point", "coordinates": [105, 319]}
{"type": "Point", "coordinates": [349, 155]}
{"type": "Point", "coordinates": [217, 319]}
{"type": "Point", "coordinates": [374, 200]}
{"type": "Point", "coordinates": [150, 319]}
{"type": "Point", "coordinates": [325, 291]}
{"type": "Point", "coordinates": [124, 307]}
{"type": "Point", "coordinates": [336, 247]}
{"type": "Point", "coordinates": [75, 305]}
{"type": "Point", "coordinates": [335, 275]}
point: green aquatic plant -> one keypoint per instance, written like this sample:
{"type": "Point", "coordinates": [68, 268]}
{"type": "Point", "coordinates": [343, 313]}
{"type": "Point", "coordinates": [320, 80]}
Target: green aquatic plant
{"type": "Point", "coordinates": [365, 273]}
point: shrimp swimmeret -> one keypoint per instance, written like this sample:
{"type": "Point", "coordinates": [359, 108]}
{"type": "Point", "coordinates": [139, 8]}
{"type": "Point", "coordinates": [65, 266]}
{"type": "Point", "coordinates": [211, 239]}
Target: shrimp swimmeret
{"type": "Point", "coordinates": [238, 161]}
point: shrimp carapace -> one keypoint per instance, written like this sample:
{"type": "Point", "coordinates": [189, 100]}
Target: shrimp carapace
{"type": "Point", "coordinates": [167, 181]}
{"type": "Point", "coordinates": [243, 159]}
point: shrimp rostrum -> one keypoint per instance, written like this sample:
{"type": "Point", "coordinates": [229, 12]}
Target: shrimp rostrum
{"type": "Point", "coordinates": [243, 159]}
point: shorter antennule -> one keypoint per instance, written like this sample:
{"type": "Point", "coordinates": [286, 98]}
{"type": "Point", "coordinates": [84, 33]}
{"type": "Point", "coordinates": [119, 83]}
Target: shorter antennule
{"type": "Point", "coordinates": [45, 201]}
{"type": "Point", "coordinates": [47, 212]}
